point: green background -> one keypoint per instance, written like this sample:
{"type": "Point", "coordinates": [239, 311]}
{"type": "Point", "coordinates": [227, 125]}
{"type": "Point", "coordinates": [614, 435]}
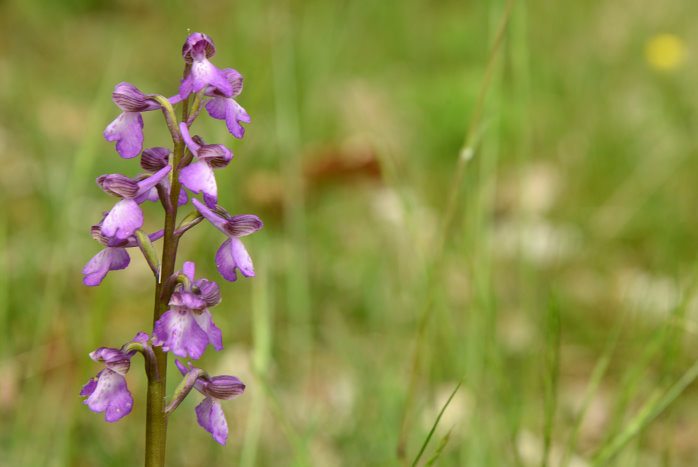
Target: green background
{"type": "Point", "coordinates": [564, 294]}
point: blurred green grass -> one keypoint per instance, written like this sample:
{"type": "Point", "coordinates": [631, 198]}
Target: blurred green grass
{"type": "Point", "coordinates": [578, 209]}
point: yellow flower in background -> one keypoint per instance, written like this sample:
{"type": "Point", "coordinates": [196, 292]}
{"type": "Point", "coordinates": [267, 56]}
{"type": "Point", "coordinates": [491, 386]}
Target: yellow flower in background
{"type": "Point", "coordinates": [665, 51]}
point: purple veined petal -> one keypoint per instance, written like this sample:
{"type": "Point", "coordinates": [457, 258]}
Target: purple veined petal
{"type": "Point", "coordinates": [223, 387]}
{"type": "Point", "coordinates": [235, 80]}
{"type": "Point", "coordinates": [217, 221]}
{"type": "Point", "coordinates": [108, 355]}
{"type": "Point", "coordinates": [123, 220]}
{"type": "Point", "coordinates": [109, 259]}
{"type": "Point", "coordinates": [109, 395]}
{"type": "Point", "coordinates": [242, 225]}
{"type": "Point", "coordinates": [205, 322]}
{"type": "Point", "coordinates": [130, 99]}
{"type": "Point", "coordinates": [210, 416]}
{"type": "Point", "coordinates": [178, 332]}
{"type": "Point", "coordinates": [150, 182]}
{"type": "Point", "coordinates": [197, 44]}
{"type": "Point", "coordinates": [191, 144]}
{"type": "Point", "coordinates": [127, 131]}
{"type": "Point", "coordinates": [215, 155]}
{"type": "Point", "coordinates": [199, 177]}
{"type": "Point", "coordinates": [210, 292]}
{"type": "Point", "coordinates": [154, 159]}
{"type": "Point", "coordinates": [118, 185]}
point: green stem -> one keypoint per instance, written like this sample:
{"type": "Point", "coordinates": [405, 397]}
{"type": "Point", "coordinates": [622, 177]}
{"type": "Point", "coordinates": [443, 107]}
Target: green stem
{"type": "Point", "coordinates": [156, 417]}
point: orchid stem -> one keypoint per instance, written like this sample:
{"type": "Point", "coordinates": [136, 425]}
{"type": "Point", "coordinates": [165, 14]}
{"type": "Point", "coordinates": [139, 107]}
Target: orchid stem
{"type": "Point", "coordinates": [156, 417]}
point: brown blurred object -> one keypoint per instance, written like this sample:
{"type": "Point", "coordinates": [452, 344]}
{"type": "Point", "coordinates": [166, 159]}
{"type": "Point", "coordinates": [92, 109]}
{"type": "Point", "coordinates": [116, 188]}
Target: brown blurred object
{"type": "Point", "coordinates": [322, 167]}
{"type": "Point", "coordinates": [340, 165]}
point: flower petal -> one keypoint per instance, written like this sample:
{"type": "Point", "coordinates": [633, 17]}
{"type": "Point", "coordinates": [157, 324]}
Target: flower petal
{"type": "Point", "coordinates": [150, 182]}
{"type": "Point", "coordinates": [191, 144]}
{"type": "Point", "coordinates": [233, 113]}
{"type": "Point", "coordinates": [212, 419]}
{"type": "Point", "coordinates": [241, 257]}
{"type": "Point", "coordinates": [130, 99]}
{"type": "Point", "coordinates": [217, 221]}
{"type": "Point", "coordinates": [198, 177]}
{"type": "Point", "coordinates": [89, 387]}
{"type": "Point", "coordinates": [197, 44]}
{"type": "Point", "coordinates": [223, 387]}
{"type": "Point", "coordinates": [225, 262]}
{"type": "Point", "coordinates": [205, 322]}
{"type": "Point", "coordinates": [154, 159]}
{"type": "Point", "coordinates": [109, 259]}
{"type": "Point", "coordinates": [109, 395]}
{"type": "Point", "coordinates": [202, 74]}
{"type": "Point", "coordinates": [127, 131]}
{"type": "Point", "coordinates": [189, 269]}
{"type": "Point", "coordinates": [231, 255]}
{"type": "Point", "coordinates": [177, 331]}
{"type": "Point", "coordinates": [123, 220]}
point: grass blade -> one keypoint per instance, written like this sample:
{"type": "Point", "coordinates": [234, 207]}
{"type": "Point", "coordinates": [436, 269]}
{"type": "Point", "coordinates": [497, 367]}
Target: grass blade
{"type": "Point", "coordinates": [436, 422]}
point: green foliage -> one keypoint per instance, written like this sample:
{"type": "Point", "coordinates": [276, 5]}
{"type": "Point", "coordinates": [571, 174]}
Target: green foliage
{"type": "Point", "coordinates": [582, 183]}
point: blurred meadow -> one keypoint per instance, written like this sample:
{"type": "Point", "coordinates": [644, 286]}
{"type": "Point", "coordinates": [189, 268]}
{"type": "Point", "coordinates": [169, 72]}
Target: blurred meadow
{"type": "Point", "coordinates": [556, 277]}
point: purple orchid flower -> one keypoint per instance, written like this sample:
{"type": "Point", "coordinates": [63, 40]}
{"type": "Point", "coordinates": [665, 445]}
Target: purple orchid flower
{"type": "Point", "coordinates": [187, 327]}
{"type": "Point", "coordinates": [153, 160]}
{"type": "Point", "coordinates": [209, 412]}
{"type": "Point", "coordinates": [127, 128]}
{"type": "Point", "coordinates": [126, 216]}
{"type": "Point", "coordinates": [111, 258]}
{"type": "Point", "coordinates": [232, 253]}
{"type": "Point", "coordinates": [224, 107]}
{"type": "Point", "coordinates": [107, 392]}
{"type": "Point", "coordinates": [197, 49]}
{"type": "Point", "coordinates": [198, 176]}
